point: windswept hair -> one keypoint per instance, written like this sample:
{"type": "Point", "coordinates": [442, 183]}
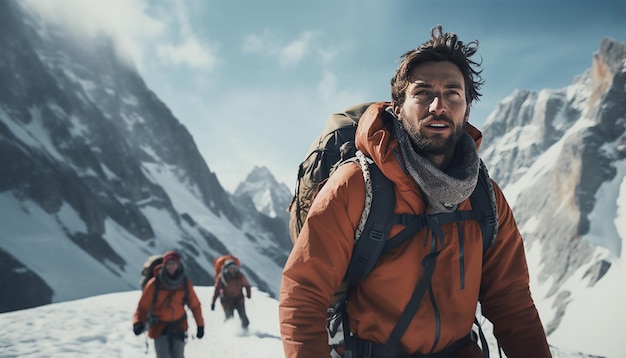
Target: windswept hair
{"type": "Point", "coordinates": [441, 47]}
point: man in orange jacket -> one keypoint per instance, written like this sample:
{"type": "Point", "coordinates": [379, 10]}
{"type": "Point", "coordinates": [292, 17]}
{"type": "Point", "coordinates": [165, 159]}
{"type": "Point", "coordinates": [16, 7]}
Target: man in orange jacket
{"type": "Point", "coordinates": [423, 143]}
{"type": "Point", "coordinates": [162, 306]}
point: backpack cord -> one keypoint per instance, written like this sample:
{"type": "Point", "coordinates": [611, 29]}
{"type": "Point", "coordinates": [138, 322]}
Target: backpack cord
{"type": "Point", "coordinates": [362, 161]}
{"type": "Point", "coordinates": [483, 339]}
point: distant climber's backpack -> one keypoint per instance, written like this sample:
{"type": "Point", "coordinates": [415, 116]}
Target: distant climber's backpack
{"type": "Point", "coordinates": [147, 271]}
{"type": "Point", "coordinates": [335, 146]}
{"type": "Point", "coordinates": [220, 262]}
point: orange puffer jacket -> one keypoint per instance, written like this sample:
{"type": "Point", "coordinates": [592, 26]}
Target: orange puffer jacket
{"type": "Point", "coordinates": [168, 307]}
{"type": "Point", "coordinates": [232, 287]}
{"type": "Point", "coordinates": [462, 277]}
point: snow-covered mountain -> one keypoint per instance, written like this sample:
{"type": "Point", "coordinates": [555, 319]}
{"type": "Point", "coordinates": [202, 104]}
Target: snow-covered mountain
{"type": "Point", "coordinates": [96, 174]}
{"type": "Point", "coordinates": [268, 195]}
{"type": "Point", "coordinates": [260, 191]}
{"type": "Point", "coordinates": [560, 156]}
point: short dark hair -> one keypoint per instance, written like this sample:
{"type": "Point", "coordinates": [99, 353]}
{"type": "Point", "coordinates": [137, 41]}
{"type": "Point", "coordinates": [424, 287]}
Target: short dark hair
{"type": "Point", "coordinates": [441, 47]}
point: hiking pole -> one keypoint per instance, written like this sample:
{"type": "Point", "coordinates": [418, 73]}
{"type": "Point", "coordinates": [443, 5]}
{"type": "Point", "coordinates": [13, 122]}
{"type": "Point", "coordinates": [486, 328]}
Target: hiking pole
{"type": "Point", "coordinates": [146, 339]}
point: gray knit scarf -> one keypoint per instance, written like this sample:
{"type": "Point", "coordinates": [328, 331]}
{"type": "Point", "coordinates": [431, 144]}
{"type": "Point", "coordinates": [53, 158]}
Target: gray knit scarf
{"type": "Point", "coordinates": [443, 190]}
{"type": "Point", "coordinates": [172, 282]}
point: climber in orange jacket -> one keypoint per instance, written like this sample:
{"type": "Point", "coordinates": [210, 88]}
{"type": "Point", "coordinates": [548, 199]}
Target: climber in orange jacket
{"type": "Point", "coordinates": [229, 287]}
{"type": "Point", "coordinates": [162, 307]}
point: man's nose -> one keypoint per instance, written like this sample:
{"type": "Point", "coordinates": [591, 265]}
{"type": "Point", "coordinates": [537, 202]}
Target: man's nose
{"type": "Point", "coordinates": [437, 106]}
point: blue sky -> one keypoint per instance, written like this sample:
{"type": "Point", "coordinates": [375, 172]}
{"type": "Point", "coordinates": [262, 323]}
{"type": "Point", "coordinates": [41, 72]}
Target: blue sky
{"type": "Point", "coordinates": [253, 81]}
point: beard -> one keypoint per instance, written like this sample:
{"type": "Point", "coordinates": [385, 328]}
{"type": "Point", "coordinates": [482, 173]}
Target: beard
{"type": "Point", "coordinates": [436, 144]}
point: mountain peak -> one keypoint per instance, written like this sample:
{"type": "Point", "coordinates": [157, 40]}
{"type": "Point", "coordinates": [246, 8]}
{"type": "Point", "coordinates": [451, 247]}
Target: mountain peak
{"type": "Point", "coordinates": [268, 195]}
{"type": "Point", "coordinates": [259, 173]}
{"type": "Point", "coordinates": [613, 54]}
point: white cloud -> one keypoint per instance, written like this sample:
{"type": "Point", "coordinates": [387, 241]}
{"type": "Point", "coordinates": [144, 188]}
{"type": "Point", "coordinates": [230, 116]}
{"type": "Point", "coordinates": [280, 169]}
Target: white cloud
{"type": "Point", "coordinates": [327, 88]}
{"type": "Point", "coordinates": [327, 55]}
{"type": "Point", "coordinates": [126, 21]}
{"type": "Point", "coordinates": [256, 44]}
{"type": "Point", "coordinates": [267, 44]}
{"type": "Point", "coordinates": [188, 50]}
{"type": "Point", "coordinates": [295, 51]}
{"type": "Point", "coordinates": [136, 28]}
{"type": "Point", "coordinates": [190, 53]}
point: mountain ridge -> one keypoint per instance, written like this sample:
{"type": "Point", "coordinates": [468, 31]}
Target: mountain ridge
{"type": "Point", "coordinates": [564, 144]}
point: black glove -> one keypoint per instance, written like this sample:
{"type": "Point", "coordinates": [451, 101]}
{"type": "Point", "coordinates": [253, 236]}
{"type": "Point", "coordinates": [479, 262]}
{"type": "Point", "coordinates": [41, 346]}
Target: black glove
{"type": "Point", "coordinates": [200, 333]}
{"type": "Point", "coordinates": [213, 306]}
{"type": "Point", "coordinates": [138, 328]}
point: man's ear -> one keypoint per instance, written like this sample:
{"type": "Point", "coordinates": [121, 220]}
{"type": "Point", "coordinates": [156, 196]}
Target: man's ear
{"type": "Point", "coordinates": [467, 114]}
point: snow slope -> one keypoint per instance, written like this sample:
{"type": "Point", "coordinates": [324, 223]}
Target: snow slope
{"type": "Point", "coordinates": [101, 327]}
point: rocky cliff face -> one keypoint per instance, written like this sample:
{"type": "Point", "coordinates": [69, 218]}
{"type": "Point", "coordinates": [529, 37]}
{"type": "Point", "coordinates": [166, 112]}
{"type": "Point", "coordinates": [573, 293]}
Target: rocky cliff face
{"type": "Point", "coordinates": [557, 153]}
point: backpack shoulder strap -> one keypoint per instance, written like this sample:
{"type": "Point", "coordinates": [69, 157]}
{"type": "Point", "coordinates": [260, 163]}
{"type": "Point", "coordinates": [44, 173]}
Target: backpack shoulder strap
{"type": "Point", "coordinates": [485, 208]}
{"type": "Point", "coordinates": [375, 223]}
{"type": "Point", "coordinates": [370, 238]}
{"type": "Point", "coordinates": [157, 285]}
{"type": "Point", "coordinates": [186, 290]}
{"type": "Point", "coordinates": [484, 211]}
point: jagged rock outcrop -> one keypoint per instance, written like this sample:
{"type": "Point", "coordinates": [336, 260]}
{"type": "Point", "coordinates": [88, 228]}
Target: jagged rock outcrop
{"type": "Point", "coordinates": [555, 152]}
